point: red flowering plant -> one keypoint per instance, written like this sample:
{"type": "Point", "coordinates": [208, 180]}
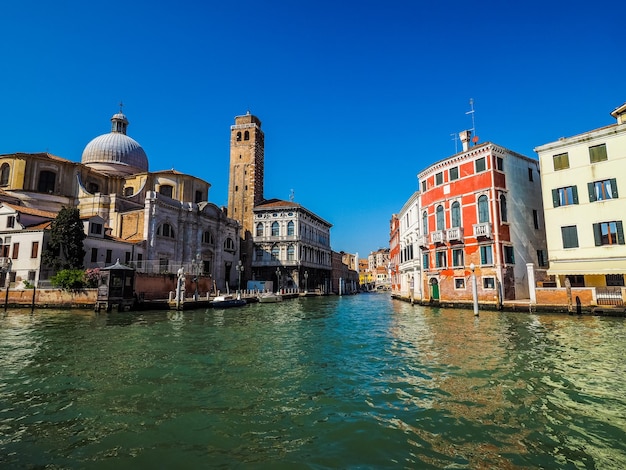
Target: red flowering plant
{"type": "Point", "coordinates": [92, 276]}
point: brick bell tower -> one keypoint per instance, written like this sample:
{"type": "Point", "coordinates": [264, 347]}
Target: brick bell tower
{"type": "Point", "coordinates": [245, 185]}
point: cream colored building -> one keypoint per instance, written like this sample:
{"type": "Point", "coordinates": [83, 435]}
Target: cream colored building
{"type": "Point", "coordinates": [156, 221]}
{"type": "Point", "coordinates": [584, 196]}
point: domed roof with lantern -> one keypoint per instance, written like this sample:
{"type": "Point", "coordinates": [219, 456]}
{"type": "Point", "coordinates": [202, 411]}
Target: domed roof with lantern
{"type": "Point", "coordinates": [115, 153]}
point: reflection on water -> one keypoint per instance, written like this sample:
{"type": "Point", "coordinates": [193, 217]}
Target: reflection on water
{"type": "Point", "coordinates": [358, 381]}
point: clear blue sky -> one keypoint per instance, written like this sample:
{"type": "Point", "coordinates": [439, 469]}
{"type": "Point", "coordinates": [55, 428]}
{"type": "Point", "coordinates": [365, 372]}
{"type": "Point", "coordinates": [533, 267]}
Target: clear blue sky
{"type": "Point", "coordinates": [355, 97]}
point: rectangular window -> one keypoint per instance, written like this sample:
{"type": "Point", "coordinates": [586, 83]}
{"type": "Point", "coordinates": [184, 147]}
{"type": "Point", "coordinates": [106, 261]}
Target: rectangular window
{"type": "Point", "coordinates": [139, 260]}
{"type": "Point", "coordinates": [609, 233]}
{"type": "Point", "coordinates": [489, 283]}
{"type": "Point", "coordinates": [453, 173]}
{"type": "Point", "coordinates": [198, 197]}
{"type": "Point", "coordinates": [439, 178]}
{"type": "Point", "coordinates": [569, 235]}
{"type": "Point", "coordinates": [486, 254]}
{"type": "Point", "coordinates": [499, 164]}
{"type": "Point", "coordinates": [509, 256]}
{"type": "Point", "coordinates": [541, 258]}
{"type": "Point", "coordinates": [109, 256]}
{"type": "Point", "coordinates": [34, 250]}
{"type": "Point", "coordinates": [16, 250]}
{"type": "Point", "coordinates": [479, 165]}
{"type": "Point", "coordinates": [602, 190]}
{"type": "Point", "coordinates": [127, 257]}
{"type": "Point", "coordinates": [94, 255]}
{"type": "Point", "coordinates": [31, 275]}
{"type": "Point", "coordinates": [96, 228]}
{"type": "Point", "coordinates": [424, 186]}
{"type": "Point", "coordinates": [426, 261]}
{"type": "Point", "coordinates": [440, 259]}
{"type": "Point", "coordinates": [530, 174]}
{"type": "Point", "coordinates": [457, 257]}
{"type": "Point", "coordinates": [561, 161]}
{"type": "Point", "coordinates": [597, 153]}
{"type": "Point", "coordinates": [565, 196]}
{"type": "Point", "coordinates": [614, 280]}
{"type": "Point", "coordinates": [11, 221]}
{"type": "Point", "coordinates": [459, 283]}
{"type": "Point", "coordinates": [536, 219]}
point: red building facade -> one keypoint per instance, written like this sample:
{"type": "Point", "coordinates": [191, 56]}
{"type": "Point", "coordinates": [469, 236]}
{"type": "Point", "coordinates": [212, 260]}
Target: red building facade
{"type": "Point", "coordinates": [480, 214]}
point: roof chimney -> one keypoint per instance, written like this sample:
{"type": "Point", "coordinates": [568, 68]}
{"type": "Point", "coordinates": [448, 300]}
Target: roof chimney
{"type": "Point", "coordinates": [465, 139]}
{"type": "Point", "coordinates": [620, 114]}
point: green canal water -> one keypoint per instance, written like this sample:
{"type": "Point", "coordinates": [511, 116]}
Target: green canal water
{"type": "Point", "coordinates": [338, 382]}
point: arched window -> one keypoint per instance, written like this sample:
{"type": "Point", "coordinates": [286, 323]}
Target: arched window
{"type": "Point", "coordinates": [291, 252]}
{"type": "Point", "coordinates": [503, 215]}
{"type": "Point", "coordinates": [483, 209]}
{"type": "Point", "coordinates": [238, 136]}
{"type": "Point", "coordinates": [290, 228]}
{"type": "Point", "coordinates": [275, 229]}
{"type": "Point", "coordinates": [440, 218]}
{"type": "Point", "coordinates": [259, 229]}
{"type": "Point", "coordinates": [455, 214]}
{"type": "Point", "coordinates": [166, 230]}
{"type": "Point", "coordinates": [275, 253]}
{"type": "Point", "coordinates": [425, 222]}
{"type": "Point", "coordinates": [246, 135]}
{"type": "Point", "coordinates": [46, 182]}
{"type": "Point", "coordinates": [4, 174]}
{"type": "Point", "coordinates": [207, 237]}
{"type": "Point", "coordinates": [229, 244]}
{"type": "Point", "coordinates": [166, 190]}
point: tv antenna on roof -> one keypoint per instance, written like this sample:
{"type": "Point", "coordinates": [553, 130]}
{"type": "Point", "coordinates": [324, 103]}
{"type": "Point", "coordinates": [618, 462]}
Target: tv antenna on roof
{"type": "Point", "coordinates": [473, 129]}
{"type": "Point", "coordinates": [456, 142]}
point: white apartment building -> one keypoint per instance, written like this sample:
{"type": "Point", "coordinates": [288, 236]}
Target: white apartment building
{"type": "Point", "coordinates": [584, 196]}
{"type": "Point", "coordinates": [409, 269]}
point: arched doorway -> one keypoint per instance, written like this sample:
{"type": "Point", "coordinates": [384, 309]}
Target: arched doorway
{"type": "Point", "coordinates": [434, 288]}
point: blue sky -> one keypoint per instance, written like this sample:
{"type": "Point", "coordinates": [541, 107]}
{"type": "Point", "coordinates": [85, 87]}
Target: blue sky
{"type": "Point", "coordinates": [355, 97]}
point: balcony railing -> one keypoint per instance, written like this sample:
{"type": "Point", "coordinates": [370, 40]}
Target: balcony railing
{"type": "Point", "coordinates": [454, 234]}
{"type": "Point", "coordinates": [422, 240]}
{"type": "Point", "coordinates": [438, 237]}
{"type": "Point", "coordinates": [482, 230]}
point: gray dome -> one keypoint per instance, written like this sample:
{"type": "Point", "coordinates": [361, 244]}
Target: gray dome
{"type": "Point", "coordinates": [115, 152]}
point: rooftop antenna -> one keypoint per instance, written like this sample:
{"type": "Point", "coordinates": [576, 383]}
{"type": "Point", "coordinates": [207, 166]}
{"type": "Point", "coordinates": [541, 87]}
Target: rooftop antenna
{"type": "Point", "coordinates": [291, 195]}
{"type": "Point", "coordinates": [121, 107]}
{"type": "Point", "coordinates": [456, 142]}
{"type": "Point", "coordinates": [473, 129]}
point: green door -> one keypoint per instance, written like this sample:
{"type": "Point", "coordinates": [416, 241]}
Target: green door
{"type": "Point", "coordinates": [434, 289]}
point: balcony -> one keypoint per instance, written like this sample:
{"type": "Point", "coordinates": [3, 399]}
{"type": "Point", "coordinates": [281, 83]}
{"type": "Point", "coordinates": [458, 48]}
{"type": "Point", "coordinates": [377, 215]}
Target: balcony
{"type": "Point", "coordinates": [455, 234]}
{"type": "Point", "coordinates": [438, 236]}
{"type": "Point", "coordinates": [482, 230]}
{"type": "Point", "coordinates": [422, 241]}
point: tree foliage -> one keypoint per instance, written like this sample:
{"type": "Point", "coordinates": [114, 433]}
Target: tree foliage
{"type": "Point", "coordinates": [65, 249]}
{"type": "Point", "coordinates": [69, 279]}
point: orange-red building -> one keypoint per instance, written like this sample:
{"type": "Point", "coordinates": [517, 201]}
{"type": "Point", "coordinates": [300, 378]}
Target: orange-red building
{"type": "Point", "coordinates": [482, 209]}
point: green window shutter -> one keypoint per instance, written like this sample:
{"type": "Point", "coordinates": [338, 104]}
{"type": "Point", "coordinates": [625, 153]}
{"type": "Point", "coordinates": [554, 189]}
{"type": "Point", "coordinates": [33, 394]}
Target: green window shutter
{"type": "Point", "coordinates": [620, 232]}
{"type": "Point", "coordinates": [575, 194]}
{"type": "Point", "coordinates": [555, 197]}
{"type": "Point", "coordinates": [592, 193]}
{"type": "Point", "coordinates": [597, 234]}
{"type": "Point", "coordinates": [614, 188]}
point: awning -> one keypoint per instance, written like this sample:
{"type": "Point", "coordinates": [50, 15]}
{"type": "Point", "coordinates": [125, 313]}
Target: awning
{"type": "Point", "coordinates": [592, 266]}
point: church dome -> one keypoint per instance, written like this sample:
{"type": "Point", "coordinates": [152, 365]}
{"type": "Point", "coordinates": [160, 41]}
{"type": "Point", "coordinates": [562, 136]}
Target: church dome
{"type": "Point", "coordinates": [115, 152]}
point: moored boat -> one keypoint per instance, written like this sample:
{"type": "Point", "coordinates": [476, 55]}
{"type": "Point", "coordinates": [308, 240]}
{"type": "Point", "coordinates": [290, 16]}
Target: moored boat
{"type": "Point", "coordinates": [269, 297]}
{"type": "Point", "coordinates": [227, 301]}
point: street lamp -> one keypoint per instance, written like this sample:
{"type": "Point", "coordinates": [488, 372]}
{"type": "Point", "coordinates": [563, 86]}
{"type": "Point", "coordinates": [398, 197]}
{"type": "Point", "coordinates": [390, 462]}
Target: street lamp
{"type": "Point", "coordinates": [277, 280]}
{"type": "Point", "coordinates": [306, 281]}
{"type": "Point", "coordinates": [239, 269]}
{"type": "Point", "coordinates": [474, 289]}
